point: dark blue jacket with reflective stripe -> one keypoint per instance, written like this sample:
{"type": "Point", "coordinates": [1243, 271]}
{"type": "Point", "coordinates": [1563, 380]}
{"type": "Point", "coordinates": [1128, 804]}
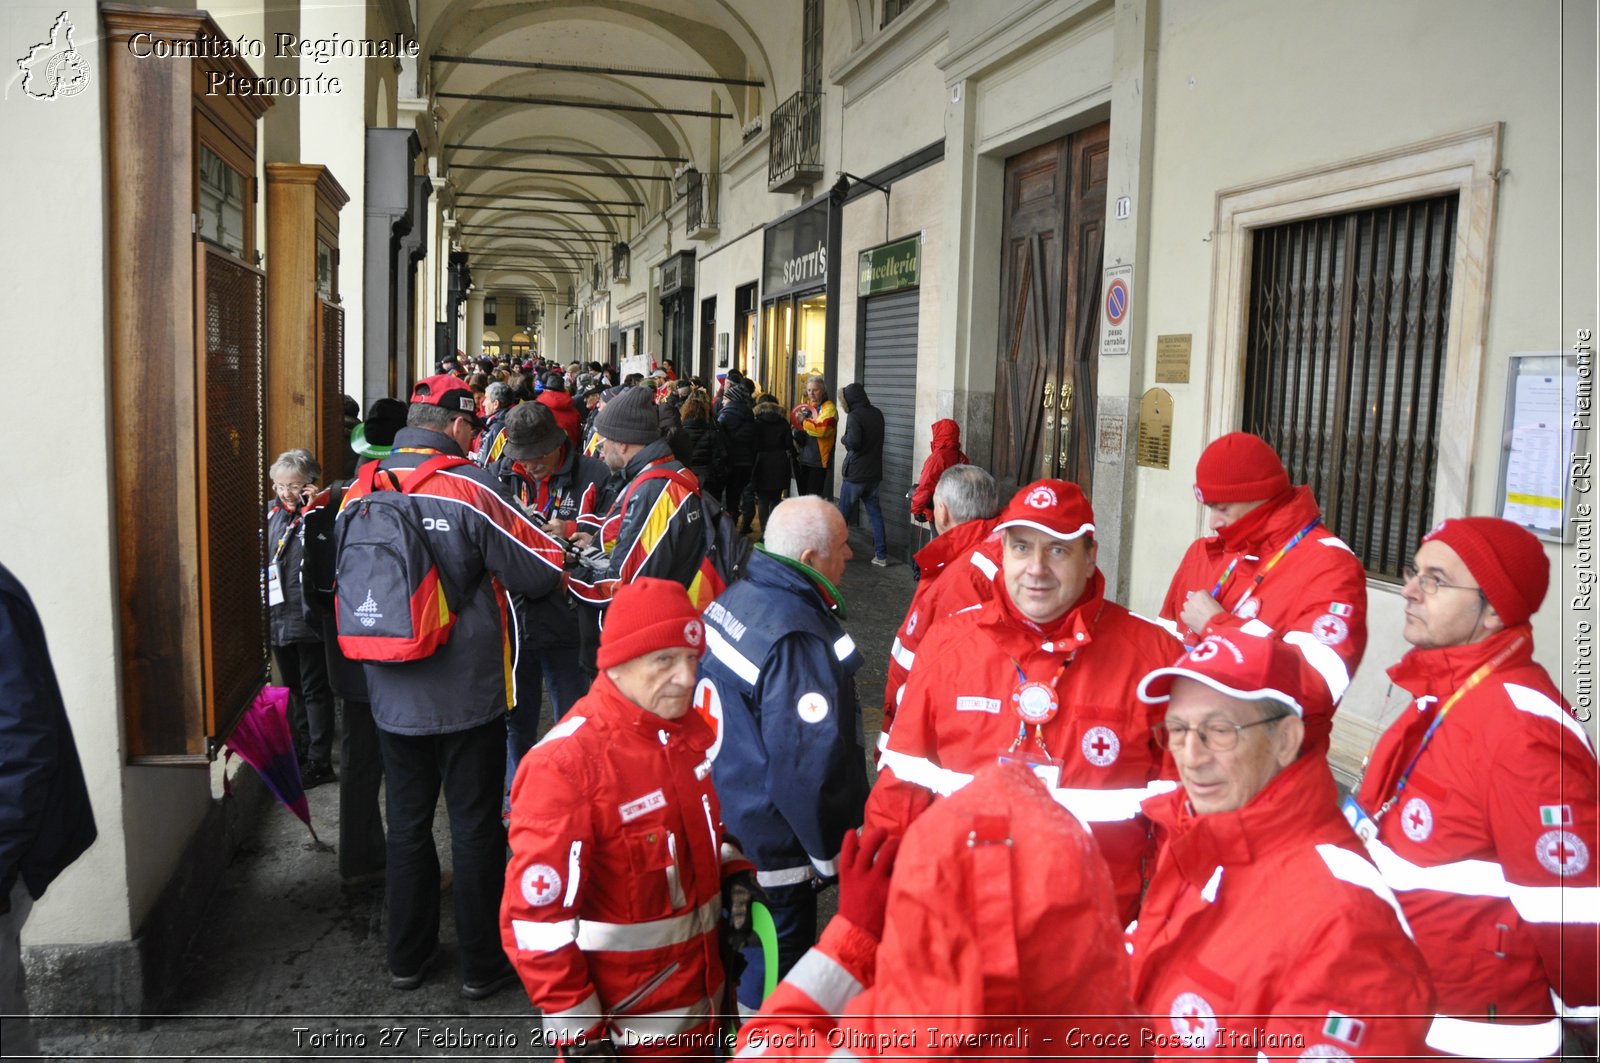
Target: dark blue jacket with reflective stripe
{"type": "Point", "coordinates": [789, 763]}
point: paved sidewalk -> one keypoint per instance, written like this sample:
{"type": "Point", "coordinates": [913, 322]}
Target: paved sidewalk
{"type": "Point", "coordinates": [286, 966]}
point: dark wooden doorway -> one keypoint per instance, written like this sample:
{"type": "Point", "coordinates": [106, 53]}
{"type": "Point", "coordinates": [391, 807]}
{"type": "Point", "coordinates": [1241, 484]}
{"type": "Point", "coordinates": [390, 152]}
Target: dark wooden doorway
{"type": "Point", "coordinates": [1046, 373]}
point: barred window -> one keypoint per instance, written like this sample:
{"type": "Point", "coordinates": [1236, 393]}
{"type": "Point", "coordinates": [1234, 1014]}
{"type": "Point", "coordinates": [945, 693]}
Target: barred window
{"type": "Point", "coordinates": [811, 46]}
{"type": "Point", "coordinates": [1344, 365]}
{"type": "Point", "coordinates": [892, 9]}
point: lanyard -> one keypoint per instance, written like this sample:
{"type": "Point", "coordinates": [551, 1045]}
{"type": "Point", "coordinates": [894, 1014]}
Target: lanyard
{"type": "Point", "coordinates": [283, 540]}
{"type": "Point", "coordinates": [1227, 573]}
{"type": "Point", "coordinates": [1036, 702]}
{"type": "Point", "coordinates": [1427, 736]}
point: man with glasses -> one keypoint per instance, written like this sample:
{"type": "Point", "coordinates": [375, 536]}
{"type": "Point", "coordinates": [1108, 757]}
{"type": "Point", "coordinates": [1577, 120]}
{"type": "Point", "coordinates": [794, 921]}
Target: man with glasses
{"type": "Point", "coordinates": [1270, 568]}
{"type": "Point", "coordinates": [1266, 932]}
{"type": "Point", "coordinates": [1479, 803]}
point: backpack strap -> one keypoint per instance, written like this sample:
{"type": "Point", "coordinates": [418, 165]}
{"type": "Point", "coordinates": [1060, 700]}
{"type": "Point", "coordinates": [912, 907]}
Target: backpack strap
{"type": "Point", "coordinates": [684, 478]}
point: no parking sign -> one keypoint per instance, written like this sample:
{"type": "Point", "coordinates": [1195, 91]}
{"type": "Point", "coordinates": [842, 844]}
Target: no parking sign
{"type": "Point", "coordinates": [1116, 306]}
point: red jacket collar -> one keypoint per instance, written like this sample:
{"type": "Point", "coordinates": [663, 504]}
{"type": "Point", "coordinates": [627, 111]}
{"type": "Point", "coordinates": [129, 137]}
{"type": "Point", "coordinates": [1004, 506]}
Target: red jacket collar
{"type": "Point", "coordinates": [1268, 527]}
{"type": "Point", "coordinates": [1439, 672]}
{"type": "Point", "coordinates": [953, 544]}
{"type": "Point", "coordinates": [1275, 817]}
{"type": "Point", "coordinates": [688, 728]}
{"type": "Point", "coordinates": [1068, 634]}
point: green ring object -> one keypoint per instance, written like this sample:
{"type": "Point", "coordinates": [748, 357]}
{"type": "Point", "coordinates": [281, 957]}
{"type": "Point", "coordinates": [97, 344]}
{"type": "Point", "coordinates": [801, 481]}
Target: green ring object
{"type": "Point", "coordinates": [767, 934]}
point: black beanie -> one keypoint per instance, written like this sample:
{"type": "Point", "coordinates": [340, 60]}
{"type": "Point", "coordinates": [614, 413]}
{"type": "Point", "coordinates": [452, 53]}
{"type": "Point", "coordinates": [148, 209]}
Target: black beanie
{"type": "Point", "coordinates": [629, 418]}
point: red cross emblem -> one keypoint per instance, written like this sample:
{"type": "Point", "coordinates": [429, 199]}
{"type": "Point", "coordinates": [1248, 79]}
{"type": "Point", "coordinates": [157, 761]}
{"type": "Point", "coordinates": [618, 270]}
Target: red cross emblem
{"type": "Point", "coordinates": [708, 706]}
{"type": "Point", "coordinates": [1562, 852]}
{"type": "Point", "coordinates": [1416, 819]}
{"type": "Point", "coordinates": [541, 884]}
{"type": "Point", "coordinates": [1193, 1020]}
{"type": "Point", "coordinates": [1330, 630]}
{"type": "Point", "coordinates": [1101, 746]}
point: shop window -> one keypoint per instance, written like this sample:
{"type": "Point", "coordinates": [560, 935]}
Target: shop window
{"type": "Point", "coordinates": [1348, 325]}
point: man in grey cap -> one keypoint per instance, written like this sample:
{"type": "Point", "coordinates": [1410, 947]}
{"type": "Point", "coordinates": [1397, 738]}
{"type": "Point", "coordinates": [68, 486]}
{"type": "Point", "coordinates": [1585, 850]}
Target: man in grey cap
{"type": "Point", "coordinates": [654, 527]}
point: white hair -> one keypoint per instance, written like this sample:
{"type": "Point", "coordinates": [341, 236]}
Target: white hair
{"type": "Point", "coordinates": [968, 492]}
{"type": "Point", "coordinates": [297, 462]}
{"type": "Point", "coordinates": [800, 524]}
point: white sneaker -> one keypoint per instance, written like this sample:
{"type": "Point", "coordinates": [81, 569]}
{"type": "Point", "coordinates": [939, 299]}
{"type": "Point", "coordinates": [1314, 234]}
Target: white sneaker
{"type": "Point", "coordinates": [881, 562]}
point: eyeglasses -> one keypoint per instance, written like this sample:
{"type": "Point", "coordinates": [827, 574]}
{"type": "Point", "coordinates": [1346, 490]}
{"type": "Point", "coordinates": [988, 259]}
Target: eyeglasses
{"type": "Point", "coordinates": [289, 489]}
{"type": "Point", "coordinates": [1219, 736]}
{"type": "Point", "coordinates": [1432, 585]}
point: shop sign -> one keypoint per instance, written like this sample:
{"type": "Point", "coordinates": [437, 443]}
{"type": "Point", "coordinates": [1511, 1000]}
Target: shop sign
{"type": "Point", "coordinates": [677, 272]}
{"type": "Point", "coordinates": [795, 252]}
{"type": "Point", "coordinates": [890, 267]}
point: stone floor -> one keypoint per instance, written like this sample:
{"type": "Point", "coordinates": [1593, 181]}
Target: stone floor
{"type": "Point", "coordinates": [287, 966]}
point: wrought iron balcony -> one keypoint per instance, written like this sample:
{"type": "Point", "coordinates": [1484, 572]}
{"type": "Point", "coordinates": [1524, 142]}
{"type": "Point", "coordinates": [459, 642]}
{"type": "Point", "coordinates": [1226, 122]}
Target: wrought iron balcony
{"type": "Point", "coordinates": [701, 209]}
{"type": "Point", "coordinates": [794, 150]}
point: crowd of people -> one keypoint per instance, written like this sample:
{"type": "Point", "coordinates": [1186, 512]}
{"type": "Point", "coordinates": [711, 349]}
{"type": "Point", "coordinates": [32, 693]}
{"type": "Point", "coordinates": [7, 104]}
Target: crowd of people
{"type": "Point", "coordinates": [1090, 833]}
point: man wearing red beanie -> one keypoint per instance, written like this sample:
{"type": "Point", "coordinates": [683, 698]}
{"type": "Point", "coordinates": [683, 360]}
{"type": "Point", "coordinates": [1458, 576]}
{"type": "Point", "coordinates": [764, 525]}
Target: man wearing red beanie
{"type": "Point", "coordinates": [1479, 804]}
{"type": "Point", "coordinates": [614, 893]}
{"type": "Point", "coordinates": [1271, 568]}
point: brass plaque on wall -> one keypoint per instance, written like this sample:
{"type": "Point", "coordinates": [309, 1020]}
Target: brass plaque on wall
{"type": "Point", "coordinates": [1155, 429]}
{"type": "Point", "coordinates": [1172, 358]}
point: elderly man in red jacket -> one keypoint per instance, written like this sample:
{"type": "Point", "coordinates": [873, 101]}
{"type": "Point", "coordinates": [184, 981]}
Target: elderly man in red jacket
{"type": "Point", "coordinates": [614, 893]}
{"type": "Point", "coordinates": [1271, 568]}
{"type": "Point", "coordinates": [1266, 932]}
{"type": "Point", "coordinates": [1479, 804]}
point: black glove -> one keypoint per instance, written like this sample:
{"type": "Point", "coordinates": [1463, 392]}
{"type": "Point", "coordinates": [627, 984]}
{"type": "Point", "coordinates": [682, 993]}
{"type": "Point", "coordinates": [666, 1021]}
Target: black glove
{"type": "Point", "coordinates": [592, 1048]}
{"type": "Point", "coordinates": [737, 893]}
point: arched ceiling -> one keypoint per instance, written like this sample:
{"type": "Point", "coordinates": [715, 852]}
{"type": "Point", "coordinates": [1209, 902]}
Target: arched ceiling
{"type": "Point", "coordinates": [578, 178]}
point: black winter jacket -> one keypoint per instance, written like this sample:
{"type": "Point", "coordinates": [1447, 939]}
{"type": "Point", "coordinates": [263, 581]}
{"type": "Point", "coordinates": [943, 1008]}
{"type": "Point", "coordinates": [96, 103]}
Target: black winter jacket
{"type": "Point", "coordinates": [708, 450]}
{"type": "Point", "coordinates": [739, 425]}
{"type": "Point", "coordinates": [863, 437]}
{"type": "Point", "coordinates": [774, 450]}
{"type": "Point", "coordinates": [287, 621]}
{"type": "Point", "coordinates": [48, 822]}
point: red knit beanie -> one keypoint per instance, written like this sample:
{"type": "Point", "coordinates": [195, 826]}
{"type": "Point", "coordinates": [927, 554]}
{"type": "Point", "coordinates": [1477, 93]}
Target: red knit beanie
{"type": "Point", "coordinates": [1506, 559]}
{"type": "Point", "coordinates": [648, 615]}
{"type": "Point", "coordinates": [1239, 467]}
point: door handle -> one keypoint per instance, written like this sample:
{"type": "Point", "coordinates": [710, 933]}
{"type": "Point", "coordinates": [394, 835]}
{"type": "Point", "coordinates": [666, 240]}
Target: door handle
{"type": "Point", "coordinates": [1066, 423]}
{"type": "Point", "coordinates": [1049, 394]}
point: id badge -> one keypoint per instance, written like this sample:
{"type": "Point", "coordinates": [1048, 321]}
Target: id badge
{"type": "Point", "coordinates": [1046, 769]}
{"type": "Point", "coordinates": [1365, 827]}
{"type": "Point", "coordinates": [274, 585]}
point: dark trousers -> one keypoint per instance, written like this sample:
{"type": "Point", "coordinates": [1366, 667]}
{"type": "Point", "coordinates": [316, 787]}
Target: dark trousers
{"type": "Point", "coordinates": [765, 503]}
{"type": "Point", "coordinates": [467, 766]}
{"type": "Point", "coordinates": [304, 666]}
{"type": "Point", "coordinates": [867, 494]}
{"type": "Point", "coordinates": [361, 842]}
{"type": "Point", "coordinates": [794, 917]}
{"type": "Point", "coordinates": [733, 492]}
{"type": "Point", "coordinates": [555, 669]}
{"type": "Point", "coordinates": [811, 480]}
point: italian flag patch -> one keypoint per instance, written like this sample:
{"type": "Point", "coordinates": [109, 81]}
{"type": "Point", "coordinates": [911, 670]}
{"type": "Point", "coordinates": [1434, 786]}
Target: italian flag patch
{"type": "Point", "coordinates": [1344, 1028]}
{"type": "Point", "coordinates": [1340, 609]}
{"type": "Point", "coordinates": [1555, 815]}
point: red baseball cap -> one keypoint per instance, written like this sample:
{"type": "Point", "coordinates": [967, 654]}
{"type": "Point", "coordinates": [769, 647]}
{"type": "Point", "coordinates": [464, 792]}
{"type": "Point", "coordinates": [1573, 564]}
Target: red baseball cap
{"type": "Point", "coordinates": [456, 399]}
{"type": "Point", "coordinates": [1055, 507]}
{"type": "Point", "coordinates": [1248, 667]}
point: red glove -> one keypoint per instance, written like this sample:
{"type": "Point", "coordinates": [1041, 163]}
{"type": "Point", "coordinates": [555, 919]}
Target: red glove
{"type": "Point", "coordinates": [865, 866]}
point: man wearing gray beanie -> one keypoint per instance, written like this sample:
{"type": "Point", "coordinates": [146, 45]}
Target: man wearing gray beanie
{"type": "Point", "coordinates": [653, 528]}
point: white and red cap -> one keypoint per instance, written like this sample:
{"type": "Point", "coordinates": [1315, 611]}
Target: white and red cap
{"type": "Point", "coordinates": [1248, 667]}
{"type": "Point", "coordinates": [1055, 507]}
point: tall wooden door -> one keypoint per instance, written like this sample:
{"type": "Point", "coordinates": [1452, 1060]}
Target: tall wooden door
{"type": "Point", "coordinates": [1045, 376]}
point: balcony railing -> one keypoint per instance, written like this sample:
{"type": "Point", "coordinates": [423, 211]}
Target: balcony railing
{"type": "Point", "coordinates": [702, 206]}
{"type": "Point", "coordinates": [794, 156]}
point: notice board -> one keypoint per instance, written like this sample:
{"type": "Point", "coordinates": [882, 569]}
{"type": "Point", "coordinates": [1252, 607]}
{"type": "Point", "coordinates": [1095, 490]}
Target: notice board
{"type": "Point", "coordinates": [1536, 446]}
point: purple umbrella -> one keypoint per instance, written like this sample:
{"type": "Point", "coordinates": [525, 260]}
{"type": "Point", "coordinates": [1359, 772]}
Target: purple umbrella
{"type": "Point", "coordinates": [261, 738]}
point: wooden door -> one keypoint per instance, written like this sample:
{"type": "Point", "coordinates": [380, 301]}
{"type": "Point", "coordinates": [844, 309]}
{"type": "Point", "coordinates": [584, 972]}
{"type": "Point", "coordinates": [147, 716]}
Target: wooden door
{"type": "Point", "coordinates": [1049, 334]}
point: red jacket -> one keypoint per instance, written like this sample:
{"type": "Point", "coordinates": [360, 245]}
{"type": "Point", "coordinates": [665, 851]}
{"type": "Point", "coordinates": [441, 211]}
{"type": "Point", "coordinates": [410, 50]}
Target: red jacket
{"type": "Point", "coordinates": [946, 452]}
{"type": "Point", "coordinates": [958, 570]}
{"type": "Point", "coordinates": [957, 716]}
{"type": "Point", "coordinates": [1315, 597]}
{"type": "Point", "coordinates": [567, 415]}
{"type": "Point", "coordinates": [1267, 930]}
{"type": "Point", "coordinates": [617, 861]}
{"type": "Point", "coordinates": [1492, 844]}
{"type": "Point", "coordinates": [988, 888]}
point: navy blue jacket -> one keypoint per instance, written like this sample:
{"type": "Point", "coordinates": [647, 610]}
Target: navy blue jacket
{"type": "Point", "coordinates": [789, 763]}
{"type": "Point", "coordinates": [739, 423]}
{"type": "Point", "coordinates": [45, 819]}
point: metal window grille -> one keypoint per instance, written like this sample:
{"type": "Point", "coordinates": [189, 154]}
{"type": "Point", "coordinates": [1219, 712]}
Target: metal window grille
{"type": "Point", "coordinates": [794, 150]}
{"type": "Point", "coordinates": [335, 452]}
{"type": "Point", "coordinates": [1345, 362]}
{"type": "Point", "coordinates": [893, 9]}
{"type": "Point", "coordinates": [233, 480]}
